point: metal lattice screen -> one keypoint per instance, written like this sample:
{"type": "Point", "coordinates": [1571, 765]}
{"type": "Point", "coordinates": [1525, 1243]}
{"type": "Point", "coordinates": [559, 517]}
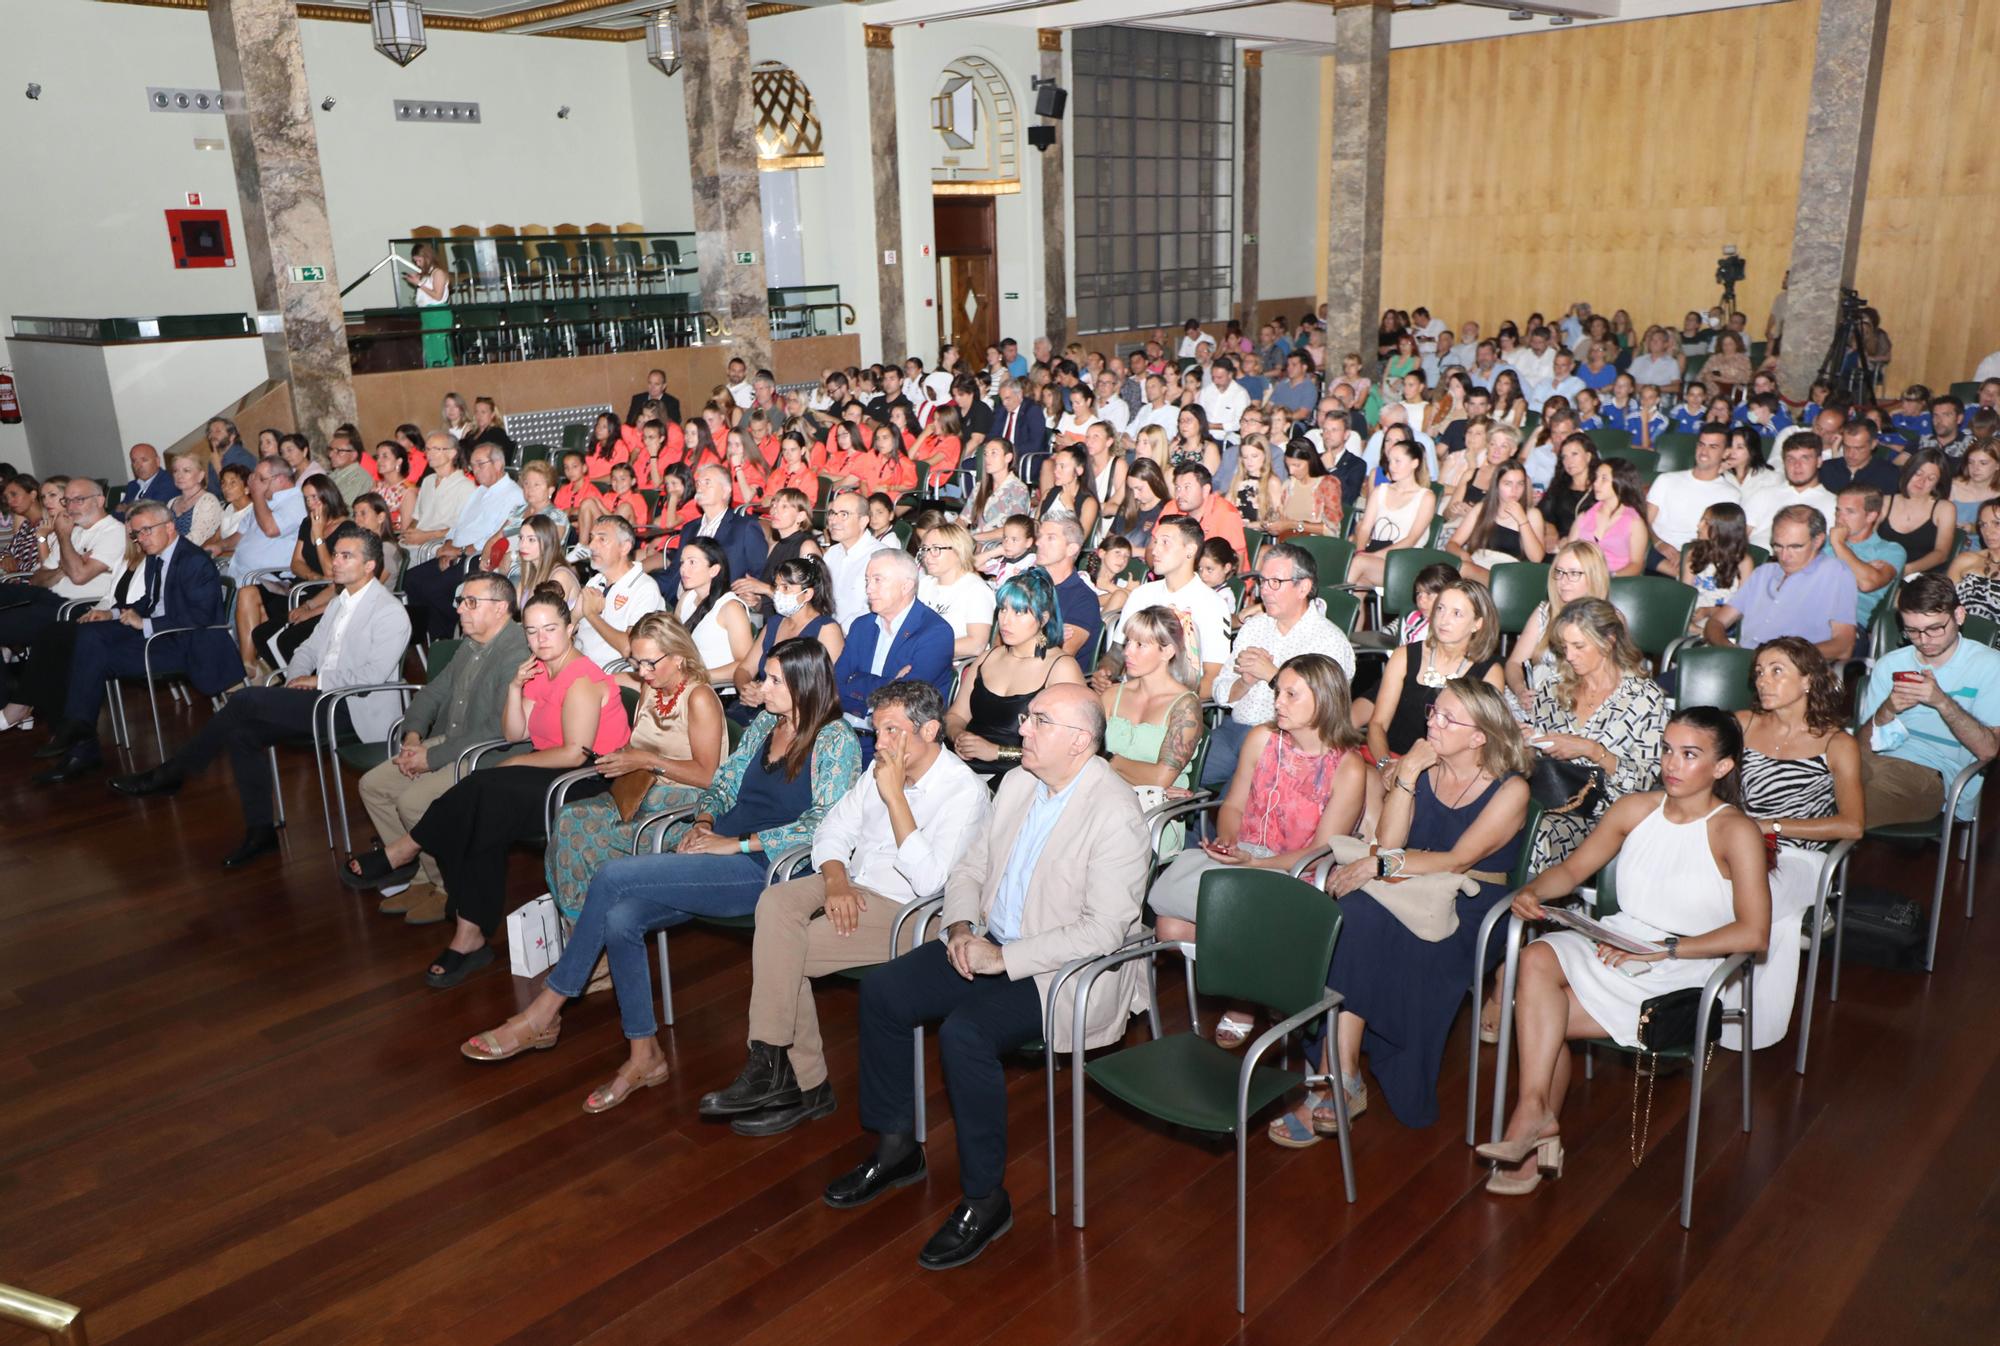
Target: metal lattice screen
{"type": "Point", "coordinates": [1154, 177]}
{"type": "Point", "coordinates": [546, 427]}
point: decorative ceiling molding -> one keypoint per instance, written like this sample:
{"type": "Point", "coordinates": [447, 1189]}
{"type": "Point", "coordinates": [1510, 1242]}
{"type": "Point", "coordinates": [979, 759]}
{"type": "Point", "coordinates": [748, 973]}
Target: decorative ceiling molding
{"type": "Point", "coordinates": [499, 23]}
{"type": "Point", "coordinates": [875, 35]}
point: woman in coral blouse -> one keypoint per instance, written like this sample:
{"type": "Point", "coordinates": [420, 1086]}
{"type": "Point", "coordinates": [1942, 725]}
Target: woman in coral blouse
{"type": "Point", "coordinates": [940, 446]}
{"type": "Point", "coordinates": [885, 467]}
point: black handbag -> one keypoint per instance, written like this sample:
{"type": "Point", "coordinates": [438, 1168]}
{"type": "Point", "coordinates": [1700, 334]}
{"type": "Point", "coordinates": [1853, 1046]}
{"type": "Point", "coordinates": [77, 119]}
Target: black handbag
{"type": "Point", "coordinates": [1667, 1024]}
{"type": "Point", "coordinates": [1561, 786]}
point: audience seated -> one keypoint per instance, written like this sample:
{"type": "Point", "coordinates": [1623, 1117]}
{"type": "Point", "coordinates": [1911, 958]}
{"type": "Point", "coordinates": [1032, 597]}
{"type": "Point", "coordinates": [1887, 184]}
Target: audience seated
{"type": "Point", "coordinates": [1856, 541]}
{"type": "Point", "coordinates": [1616, 518]}
{"type": "Point", "coordinates": [889, 841]}
{"type": "Point", "coordinates": [795, 760]}
{"type": "Point", "coordinates": [1800, 486]}
{"type": "Point", "coordinates": [361, 641]}
{"type": "Point", "coordinates": [898, 638]}
{"type": "Point", "coordinates": [742, 541]}
{"type": "Point", "coordinates": [713, 615]}
{"type": "Point", "coordinates": [1058, 546]}
{"type": "Point", "coordinates": [1929, 710]}
{"type": "Point", "coordinates": [441, 497]}
{"type": "Point", "coordinates": [983, 725]}
{"type": "Point", "coordinates": [83, 563]}
{"type": "Point", "coordinates": [617, 596]}
{"type": "Point", "coordinates": [1152, 726]}
{"type": "Point", "coordinates": [196, 512]}
{"type": "Point", "coordinates": [1977, 573]}
{"type": "Point", "coordinates": [1676, 501]}
{"type": "Point", "coordinates": [1577, 571]}
{"type": "Point", "coordinates": [849, 547]}
{"type": "Point", "coordinates": [951, 587]}
{"type": "Point", "coordinates": [1693, 875]}
{"type": "Point", "coordinates": [148, 481]}
{"type": "Point", "coordinates": [1803, 590]}
{"type": "Point", "coordinates": [1461, 640]}
{"type": "Point", "coordinates": [1398, 513]}
{"type": "Point", "coordinates": [274, 638]}
{"type": "Point", "coordinates": [1202, 612]}
{"type": "Point", "coordinates": [1921, 519]}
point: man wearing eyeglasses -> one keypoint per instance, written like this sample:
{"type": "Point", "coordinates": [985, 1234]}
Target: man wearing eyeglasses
{"type": "Point", "coordinates": [90, 548]}
{"type": "Point", "coordinates": [1056, 876]}
{"type": "Point", "coordinates": [176, 589]}
{"type": "Point", "coordinates": [460, 707]}
{"type": "Point", "coordinates": [1929, 711]}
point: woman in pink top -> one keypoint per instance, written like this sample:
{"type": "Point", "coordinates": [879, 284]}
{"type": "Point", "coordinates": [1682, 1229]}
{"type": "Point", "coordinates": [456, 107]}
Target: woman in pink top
{"type": "Point", "coordinates": [1616, 522]}
{"type": "Point", "coordinates": [569, 711]}
{"type": "Point", "coordinates": [1300, 781]}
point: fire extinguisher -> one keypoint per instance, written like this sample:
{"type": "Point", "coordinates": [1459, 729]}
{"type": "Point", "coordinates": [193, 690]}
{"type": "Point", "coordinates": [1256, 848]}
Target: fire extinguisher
{"type": "Point", "coordinates": [10, 401]}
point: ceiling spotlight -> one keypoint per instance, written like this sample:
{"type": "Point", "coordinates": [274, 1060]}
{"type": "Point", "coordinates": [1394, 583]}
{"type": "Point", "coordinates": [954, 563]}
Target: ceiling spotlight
{"type": "Point", "coordinates": [34, 91]}
{"type": "Point", "coordinates": [562, 113]}
{"type": "Point", "coordinates": [1560, 20]}
{"type": "Point", "coordinates": [326, 103]}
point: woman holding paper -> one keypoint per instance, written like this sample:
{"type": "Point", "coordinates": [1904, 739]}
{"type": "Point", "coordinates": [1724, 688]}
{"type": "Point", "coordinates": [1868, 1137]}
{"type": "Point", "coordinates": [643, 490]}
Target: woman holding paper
{"type": "Point", "coordinates": [1693, 887]}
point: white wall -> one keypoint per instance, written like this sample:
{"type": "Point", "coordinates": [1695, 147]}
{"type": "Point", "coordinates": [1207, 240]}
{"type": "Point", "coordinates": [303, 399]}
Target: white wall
{"type": "Point", "coordinates": [1287, 230]}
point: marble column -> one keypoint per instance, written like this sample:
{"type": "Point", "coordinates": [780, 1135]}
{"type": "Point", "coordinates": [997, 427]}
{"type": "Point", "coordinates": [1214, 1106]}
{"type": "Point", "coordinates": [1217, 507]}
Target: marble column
{"type": "Point", "coordinates": [1833, 181]}
{"type": "Point", "coordinates": [1360, 149]}
{"type": "Point", "coordinates": [888, 189]}
{"type": "Point", "coordinates": [1055, 194]}
{"type": "Point", "coordinates": [722, 164]}
{"type": "Point", "coordinates": [1250, 161]}
{"type": "Point", "coordinates": [274, 148]}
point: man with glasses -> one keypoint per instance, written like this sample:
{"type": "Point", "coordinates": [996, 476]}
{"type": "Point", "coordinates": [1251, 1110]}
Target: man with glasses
{"type": "Point", "coordinates": [617, 596]}
{"type": "Point", "coordinates": [1931, 709]}
{"type": "Point", "coordinates": [496, 506]}
{"type": "Point", "coordinates": [175, 588]}
{"type": "Point", "coordinates": [742, 540]}
{"type": "Point", "coordinates": [89, 551]}
{"type": "Point", "coordinates": [460, 707]}
{"type": "Point", "coordinates": [361, 640]}
{"type": "Point", "coordinates": [1056, 876]}
{"type": "Point", "coordinates": [1801, 591]}
{"type": "Point", "coordinates": [1291, 624]}
{"type": "Point", "coordinates": [850, 544]}
{"type": "Point", "coordinates": [271, 527]}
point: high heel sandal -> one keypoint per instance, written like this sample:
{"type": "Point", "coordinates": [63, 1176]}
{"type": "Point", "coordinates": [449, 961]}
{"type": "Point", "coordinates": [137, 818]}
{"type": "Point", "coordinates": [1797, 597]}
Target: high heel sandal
{"type": "Point", "coordinates": [1548, 1152]}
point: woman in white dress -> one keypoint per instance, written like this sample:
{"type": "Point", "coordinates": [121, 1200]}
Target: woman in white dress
{"type": "Point", "coordinates": [1693, 876]}
{"type": "Point", "coordinates": [954, 590]}
{"type": "Point", "coordinates": [714, 616]}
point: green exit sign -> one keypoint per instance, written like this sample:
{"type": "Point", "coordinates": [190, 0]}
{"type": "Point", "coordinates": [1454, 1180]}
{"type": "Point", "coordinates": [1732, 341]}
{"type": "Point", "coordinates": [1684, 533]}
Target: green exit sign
{"type": "Point", "coordinates": [307, 275]}
{"type": "Point", "coordinates": [746, 259]}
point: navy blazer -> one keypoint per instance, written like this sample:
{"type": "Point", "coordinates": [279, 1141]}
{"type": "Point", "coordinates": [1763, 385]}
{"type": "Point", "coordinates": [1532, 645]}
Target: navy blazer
{"type": "Point", "coordinates": [923, 643]}
{"type": "Point", "coordinates": [161, 489]}
{"type": "Point", "coordinates": [193, 598]}
{"type": "Point", "coordinates": [742, 541]}
{"type": "Point", "coordinates": [1031, 432]}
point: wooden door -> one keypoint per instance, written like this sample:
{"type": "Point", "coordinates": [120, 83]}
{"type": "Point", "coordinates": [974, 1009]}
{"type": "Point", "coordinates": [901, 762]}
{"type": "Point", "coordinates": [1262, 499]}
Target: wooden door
{"type": "Point", "coordinates": [968, 275]}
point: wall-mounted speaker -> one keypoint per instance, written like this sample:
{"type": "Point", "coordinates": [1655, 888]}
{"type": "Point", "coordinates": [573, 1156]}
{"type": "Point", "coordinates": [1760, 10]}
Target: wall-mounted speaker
{"type": "Point", "coordinates": [1050, 100]}
{"type": "Point", "coordinates": [1041, 137]}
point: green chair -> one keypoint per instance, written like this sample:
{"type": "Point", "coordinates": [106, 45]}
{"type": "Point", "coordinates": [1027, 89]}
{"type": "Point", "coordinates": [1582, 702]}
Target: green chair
{"type": "Point", "coordinates": [1717, 675]}
{"type": "Point", "coordinates": [1253, 542]}
{"type": "Point", "coordinates": [331, 748]}
{"type": "Point", "coordinates": [1944, 830]}
{"type": "Point", "coordinates": [1331, 555]}
{"type": "Point", "coordinates": [1676, 450]}
{"type": "Point", "coordinates": [1530, 423]}
{"type": "Point", "coordinates": [1235, 584]}
{"type": "Point", "coordinates": [1519, 587]}
{"type": "Point", "coordinates": [1657, 611]}
{"type": "Point", "coordinates": [574, 436]}
{"type": "Point", "coordinates": [1696, 1053]}
{"type": "Point", "coordinates": [1694, 366]}
{"type": "Point", "coordinates": [1134, 571]}
{"type": "Point", "coordinates": [1266, 939]}
{"type": "Point", "coordinates": [1343, 606]}
{"type": "Point", "coordinates": [1399, 576]}
{"type": "Point", "coordinates": [534, 453]}
{"type": "Point", "coordinates": [1757, 349]}
{"type": "Point", "coordinates": [1758, 555]}
{"type": "Point", "coordinates": [1980, 630]}
{"type": "Point", "coordinates": [1966, 392]}
{"type": "Point", "coordinates": [1609, 440]}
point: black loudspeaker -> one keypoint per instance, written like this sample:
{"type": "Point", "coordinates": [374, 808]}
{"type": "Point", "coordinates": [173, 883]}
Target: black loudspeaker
{"type": "Point", "coordinates": [1050, 100]}
{"type": "Point", "coordinates": [1041, 137]}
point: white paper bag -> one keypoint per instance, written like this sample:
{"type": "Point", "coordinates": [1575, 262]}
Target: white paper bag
{"type": "Point", "coordinates": [534, 937]}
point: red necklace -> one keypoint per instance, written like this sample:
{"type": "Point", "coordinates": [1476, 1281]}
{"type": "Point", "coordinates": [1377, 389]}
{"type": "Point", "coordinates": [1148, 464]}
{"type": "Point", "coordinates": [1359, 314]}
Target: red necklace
{"type": "Point", "coordinates": [663, 703]}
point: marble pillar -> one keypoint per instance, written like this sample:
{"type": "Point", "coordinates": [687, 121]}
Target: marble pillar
{"type": "Point", "coordinates": [1250, 166]}
{"type": "Point", "coordinates": [888, 190]}
{"type": "Point", "coordinates": [1833, 181]}
{"type": "Point", "coordinates": [1055, 194]}
{"type": "Point", "coordinates": [722, 163]}
{"type": "Point", "coordinates": [1360, 149]}
{"type": "Point", "coordinates": [274, 148]}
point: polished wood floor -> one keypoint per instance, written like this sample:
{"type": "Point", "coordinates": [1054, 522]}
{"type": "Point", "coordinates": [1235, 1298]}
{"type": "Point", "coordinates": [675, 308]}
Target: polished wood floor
{"type": "Point", "coordinates": [231, 1112]}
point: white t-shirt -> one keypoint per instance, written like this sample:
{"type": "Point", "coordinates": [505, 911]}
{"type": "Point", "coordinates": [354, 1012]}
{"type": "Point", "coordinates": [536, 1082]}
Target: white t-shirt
{"type": "Point", "coordinates": [632, 597]}
{"type": "Point", "coordinates": [103, 541]}
{"type": "Point", "coordinates": [1681, 498]}
{"type": "Point", "coordinates": [1760, 507]}
{"type": "Point", "coordinates": [1167, 416]}
{"type": "Point", "coordinates": [1533, 368]}
{"type": "Point", "coordinates": [1117, 415]}
{"type": "Point", "coordinates": [1190, 345]}
{"type": "Point", "coordinates": [1224, 406]}
{"type": "Point", "coordinates": [1203, 612]}
{"type": "Point", "coordinates": [966, 601]}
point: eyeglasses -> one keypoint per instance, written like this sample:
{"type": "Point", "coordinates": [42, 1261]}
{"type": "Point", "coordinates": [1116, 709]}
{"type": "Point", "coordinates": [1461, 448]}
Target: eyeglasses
{"type": "Point", "coordinates": [648, 665]}
{"type": "Point", "coordinates": [1565, 573]}
{"type": "Point", "coordinates": [80, 499]}
{"type": "Point", "coordinates": [1933, 632]}
{"type": "Point", "coordinates": [1275, 579]}
{"type": "Point", "coordinates": [1431, 712]}
{"type": "Point", "coordinates": [136, 533]}
{"type": "Point", "coordinates": [931, 551]}
{"type": "Point", "coordinates": [1041, 720]}
{"type": "Point", "coordinates": [467, 600]}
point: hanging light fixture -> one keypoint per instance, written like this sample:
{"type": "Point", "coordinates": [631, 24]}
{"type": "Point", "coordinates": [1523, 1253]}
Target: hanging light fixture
{"type": "Point", "coordinates": [663, 41]}
{"type": "Point", "coordinates": [399, 29]}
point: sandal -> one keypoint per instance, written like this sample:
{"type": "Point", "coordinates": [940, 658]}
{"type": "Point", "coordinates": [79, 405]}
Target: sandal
{"type": "Point", "coordinates": [454, 967]}
{"type": "Point", "coordinates": [371, 869]}
{"type": "Point", "coordinates": [487, 1046]}
{"type": "Point", "coordinates": [1287, 1130]}
{"type": "Point", "coordinates": [611, 1095]}
{"type": "Point", "coordinates": [1326, 1121]}
{"type": "Point", "coordinates": [1232, 1033]}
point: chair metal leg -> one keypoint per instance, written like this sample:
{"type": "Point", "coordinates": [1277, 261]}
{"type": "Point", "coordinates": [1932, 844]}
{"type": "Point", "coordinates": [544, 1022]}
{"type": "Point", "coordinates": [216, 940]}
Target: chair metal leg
{"type": "Point", "coordinates": [918, 1035]}
{"type": "Point", "coordinates": [1972, 857]}
{"type": "Point", "coordinates": [666, 980]}
{"type": "Point", "coordinates": [1937, 894]}
{"type": "Point", "coordinates": [1194, 1011]}
{"type": "Point", "coordinates": [153, 703]}
{"type": "Point", "coordinates": [1510, 979]}
{"type": "Point", "coordinates": [115, 697]}
{"type": "Point", "coordinates": [1242, 1195]}
{"type": "Point", "coordinates": [1749, 1041]}
{"type": "Point", "coordinates": [1493, 916]}
{"type": "Point", "coordinates": [1830, 870]}
{"type": "Point", "coordinates": [1694, 1127]}
{"type": "Point", "coordinates": [277, 790]}
{"type": "Point", "coordinates": [1839, 930]}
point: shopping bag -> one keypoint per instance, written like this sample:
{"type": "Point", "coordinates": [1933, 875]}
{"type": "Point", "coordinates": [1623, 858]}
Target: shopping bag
{"type": "Point", "coordinates": [534, 937]}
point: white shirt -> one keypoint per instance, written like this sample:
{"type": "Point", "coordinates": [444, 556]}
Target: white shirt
{"type": "Point", "coordinates": [847, 567]}
{"type": "Point", "coordinates": [159, 606]}
{"type": "Point", "coordinates": [1312, 633]}
{"type": "Point", "coordinates": [1989, 368]}
{"type": "Point", "coordinates": [625, 602]}
{"type": "Point", "coordinates": [1761, 506]}
{"type": "Point", "coordinates": [966, 601]}
{"type": "Point", "coordinates": [102, 541]}
{"type": "Point", "coordinates": [488, 512]}
{"type": "Point", "coordinates": [1681, 498]}
{"type": "Point", "coordinates": [1191, 345]}
{"type": "Point", "coordinates": [1533, 368]}
{"type": "Point", "coordinates": [1167, 416]}
{"type": "Point", "coordinates": [1115, 414]}
{"type": "Point", "coordinates": [1203, 613]}
{"type": "Point", "coordinates": [950, 804]}
{"type": "Point", "coordinates": [1225, 406]}
{"type": "Point", "coordinates": [255, 550]}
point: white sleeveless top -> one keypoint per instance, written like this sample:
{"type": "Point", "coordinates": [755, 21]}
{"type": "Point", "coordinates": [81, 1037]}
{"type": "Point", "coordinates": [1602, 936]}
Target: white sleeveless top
{"type": "Point", "coordinates": [710, 639]}
{"type": "Point", "coordinates": [1668, 879]}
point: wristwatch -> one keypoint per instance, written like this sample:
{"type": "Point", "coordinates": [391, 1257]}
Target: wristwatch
{"type": "Point", "coordinates": [1673, 943]}
{"type": "Point", "coordinates": [1388, 862]}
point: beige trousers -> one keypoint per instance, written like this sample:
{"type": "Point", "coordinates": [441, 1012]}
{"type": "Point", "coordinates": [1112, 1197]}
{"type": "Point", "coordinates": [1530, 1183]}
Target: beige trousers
{"type": "Point", "coordinates": [1896, 791]}
{"type": "Point", "coordinates": [395, 802]}
{"type": "Point", "coordinates": [793, 945]}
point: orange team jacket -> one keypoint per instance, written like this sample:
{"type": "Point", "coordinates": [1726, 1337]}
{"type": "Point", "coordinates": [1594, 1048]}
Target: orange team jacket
{"type": "Point", "coordinates": [598, 464]}
{"type": "Point", "coordinates": [647, 468]}
{"type": "Point", "coordinates": [801, 479]}
{"type": "Point", "coordinates": [613, 499]}
{"type": "Point", "coordinates": [570, 495]}
{"type": "Point", "coordinates": [942, 460]}
{"type": "Point", "coordinates": [747, 484]}
{"type": "Point", "coordinates": [892, 479]}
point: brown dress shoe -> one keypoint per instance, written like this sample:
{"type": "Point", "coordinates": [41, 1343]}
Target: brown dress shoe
{"type": "Point", "coordinates": [428, 908]}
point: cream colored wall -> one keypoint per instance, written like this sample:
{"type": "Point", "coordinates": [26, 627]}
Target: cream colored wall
{"type": "Point", "coordinates": [1288, 205]}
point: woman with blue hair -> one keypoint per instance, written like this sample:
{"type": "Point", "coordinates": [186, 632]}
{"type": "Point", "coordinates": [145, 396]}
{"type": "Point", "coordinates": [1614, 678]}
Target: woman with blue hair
{"type": "Point", "coordinates": [1026, 655]}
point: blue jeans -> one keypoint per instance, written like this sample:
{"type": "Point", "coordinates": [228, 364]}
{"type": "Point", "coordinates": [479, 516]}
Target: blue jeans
{"type": "Point", "coordinates": [1225, 745]}
{"type": "Point", "coordinates": [636, 894]}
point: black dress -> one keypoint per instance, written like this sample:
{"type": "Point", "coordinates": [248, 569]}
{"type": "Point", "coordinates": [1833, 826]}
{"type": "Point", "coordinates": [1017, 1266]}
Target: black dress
{"type": "Point", "coordinates": [997, 719]}
{"type": "Point", "coordinates": [1917, 542]}
{"type": "Point", "coordinates": [1560, 504]}
{"type": "Point", "coordinates": [1412, 715]}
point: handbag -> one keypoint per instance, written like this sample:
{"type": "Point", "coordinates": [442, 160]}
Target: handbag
{"type": "Point", "coordinates": [1425, 904]}
{"type": "Point", "coordinates": [1666, 1023]}
{"type": "Point", "coordinates": [534, 936]}
{"type": "Point", "coordinates": [629, 791]}
{"type": "Point", "coordinates": [1561, 786]}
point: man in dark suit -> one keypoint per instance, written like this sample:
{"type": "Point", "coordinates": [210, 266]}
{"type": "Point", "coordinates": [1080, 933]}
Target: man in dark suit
{"type": "Point", "coordinates": [1019, 422]}
{"type": "Point", "coordinates": [741, 540]}
{"type": "Point", "coordinates": [177, 588]}
{"type": "Point", "coordinates": [150, 481]}
{"type": "Point", "coordinates": [898, 638]}
{"type": "Point", "coordinates": [656, 391]}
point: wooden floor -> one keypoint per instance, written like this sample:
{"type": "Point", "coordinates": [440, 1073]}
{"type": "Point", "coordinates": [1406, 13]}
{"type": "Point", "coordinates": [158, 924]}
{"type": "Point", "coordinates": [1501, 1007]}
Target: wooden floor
{"type": "Point", "coordinates": [231, 1112]}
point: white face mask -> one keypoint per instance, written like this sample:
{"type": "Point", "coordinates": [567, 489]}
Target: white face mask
{"type": "Point", "coordinates": [784, 603]}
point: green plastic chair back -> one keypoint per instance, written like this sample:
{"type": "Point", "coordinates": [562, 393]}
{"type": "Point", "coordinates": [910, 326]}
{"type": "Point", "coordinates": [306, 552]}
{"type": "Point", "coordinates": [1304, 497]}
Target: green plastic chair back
{"type": "Point", "coordinates": [1343, 608]}
{"type": "Point", "coordinates": [1608, 440]}
{"type": "Point", "coordinates": [1694, 365]}
{"type": "Point", "coordinates": [1518, 588]}
{"type": "Point", "coordinates": [734, 730]}
{"type": "Point", "coordinates": [1980, 630]}
{"type": "Point", "coordinates": [1134, 571]}
{"type": "Point", "coordinates": [573, 436]}
{"type": "Point", "coordinates": [439, 656]}
{"type": "Point", "coordinates": [1331, 555]}
{"type": "Point", "coordinates": [1676, 450]}
{"type": "Point", "coordinates": [1399, 576]}
{"type": "Point", "coordinates": [1885, 631]}
{"type": "Point", "coordinates": [1524, 866]}
{"type": "Point", "coordinates": [1253, 542]}
{"type": "Point", "coordinates": [630, 696]}
{"type": "Point", "coordinates": [1656, 610]}
{"type": "Point", "coordinates": [1758, 555]}
{"type": "Point", "coordinates": [1266, 939]}
{"type": "Point", "coordinates": [534, 453]}
{"type": "Point", "coordinates": [1718, 676]}
{"type": "Point", "coordinates": [1607, 892]}
{"type": "Point", "coordinates": [1967, 393]}
{"type": "Point", "coordinates": [1531, 423]}
{"type": "Point", "coordinates": [1235, 585]}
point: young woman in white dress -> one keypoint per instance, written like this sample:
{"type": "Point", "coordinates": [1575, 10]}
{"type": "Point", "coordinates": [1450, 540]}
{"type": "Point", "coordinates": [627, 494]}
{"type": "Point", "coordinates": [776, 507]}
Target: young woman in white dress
{"type": "Point", "coordinates": [1693, 875]}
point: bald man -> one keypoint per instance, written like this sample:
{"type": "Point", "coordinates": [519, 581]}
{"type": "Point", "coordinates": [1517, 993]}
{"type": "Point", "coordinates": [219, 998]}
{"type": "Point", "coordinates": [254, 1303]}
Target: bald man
{"type": "Point", "coordinates": [150, 481]}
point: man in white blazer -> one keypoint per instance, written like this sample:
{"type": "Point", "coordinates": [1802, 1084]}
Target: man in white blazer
{"type": "Point", "coordinates": [359, 641]}
{"type": "Point", "coordinates": [1058, 875]}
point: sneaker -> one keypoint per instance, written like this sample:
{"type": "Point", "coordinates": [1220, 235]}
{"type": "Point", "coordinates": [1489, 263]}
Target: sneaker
{"type": "Point", "coordinates": [579, 552]}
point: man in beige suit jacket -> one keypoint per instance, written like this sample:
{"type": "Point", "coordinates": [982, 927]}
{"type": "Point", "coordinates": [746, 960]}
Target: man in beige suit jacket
{"type": "Point", "coordinates": [1058, 875]}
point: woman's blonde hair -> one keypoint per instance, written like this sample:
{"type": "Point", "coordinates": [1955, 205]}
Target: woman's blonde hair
{"type": "Point", "coordinates": [1504, 753]}
{"type": "Point", "coordinates": [1154, 444]}
{"type": "Point", "coordinates": [956, 538]}
{"type": "Point", "coordinates": [1162, 627]}
{"type": "Point", "coordinates": [1597, 579]}
{"type": "Point", "coordinates": [1333, 713]}
{"type": "Point", "coordinates": [1603, 626]}
{"type": "Point", "coordinates": [665, 630]}
{"type": "Point", "coordinates": [541, 468]}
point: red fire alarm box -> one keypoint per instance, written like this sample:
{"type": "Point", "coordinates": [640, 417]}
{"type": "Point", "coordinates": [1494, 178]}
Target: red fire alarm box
{"type": "Point", "coordinates": [200, 238]}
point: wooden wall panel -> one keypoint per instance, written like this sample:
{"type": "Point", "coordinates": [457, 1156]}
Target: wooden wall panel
{"type": "Point", "coordinates": [1612, 163]}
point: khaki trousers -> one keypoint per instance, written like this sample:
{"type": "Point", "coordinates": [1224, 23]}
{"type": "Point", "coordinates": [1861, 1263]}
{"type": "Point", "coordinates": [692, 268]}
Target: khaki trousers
{"type": "Point", "coordinates": [395, 802]}
{"type": "Point", "coordinates": [1896, 791]}
{"type": "Point", "coordinates": [791, 946]}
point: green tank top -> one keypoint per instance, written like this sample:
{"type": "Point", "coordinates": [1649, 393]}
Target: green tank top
{"type": "Point", "coordinates": [1140, 742]}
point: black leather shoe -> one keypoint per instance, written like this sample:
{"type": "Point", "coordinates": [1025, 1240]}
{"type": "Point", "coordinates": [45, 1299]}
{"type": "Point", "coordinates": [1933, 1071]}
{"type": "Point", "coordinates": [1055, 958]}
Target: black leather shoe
{"type": "Point", "coordinates": [766, 1081]}
{"type": "Point", "coordinates": [862, 1184]}
{"type": "Point", "coordinates": [814, 1102]}
{"type": "Point", "coordinates": [163, 779]}
{"type": "Point", "coordinates": [68, 734]}
{"type": "Point", "coordinates": [965, 1235]}
{"type": "Point", "coordinates": [257, 841]}
{"type": "Point", "coordinates": [79, 760]}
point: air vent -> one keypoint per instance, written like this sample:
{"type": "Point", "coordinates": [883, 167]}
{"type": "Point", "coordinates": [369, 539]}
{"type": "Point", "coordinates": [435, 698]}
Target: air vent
{"type": "Point", "coordinates": [184, 100]}
{"type": "Point", "coordinates": [437, 114]}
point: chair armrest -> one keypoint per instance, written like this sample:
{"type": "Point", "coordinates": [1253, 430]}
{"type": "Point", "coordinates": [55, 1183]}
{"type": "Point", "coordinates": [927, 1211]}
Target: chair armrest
{"type": "Point", "coordinates": [558, 795]}
{"type": "Point", "coordinates": [1088, 970]}
{"type": "Point", "coordinates": [469, 759]}
{"type": "Point", "coordinates": [784, 865]}
{"type": "Point", "coordinates": [661, 820]}
{"type": "Point", "coordinates": [1156, 819]}
{"type": "Point", "coordinates": [259, 576]}
{"type": "Point", "coordinates": [1308, 860]}
{"type": "Point", "coordinates": [302, 590]}
{"type": "Point", "coordinates": [1956, 789]}
{"type": "Point", "coordinates": [919, 911]}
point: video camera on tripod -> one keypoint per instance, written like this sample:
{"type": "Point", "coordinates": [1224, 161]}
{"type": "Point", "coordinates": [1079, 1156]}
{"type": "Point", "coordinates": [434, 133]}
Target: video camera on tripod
{"type": "Point", "coordinates": [1846, 366]}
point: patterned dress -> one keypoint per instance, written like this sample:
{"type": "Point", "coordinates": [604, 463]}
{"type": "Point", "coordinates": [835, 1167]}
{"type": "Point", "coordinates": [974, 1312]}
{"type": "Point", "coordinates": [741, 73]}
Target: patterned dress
{"type": "Point", "coordinates": [1631, 724]}
{"type": "Point", "coordinates": [1783, 787]}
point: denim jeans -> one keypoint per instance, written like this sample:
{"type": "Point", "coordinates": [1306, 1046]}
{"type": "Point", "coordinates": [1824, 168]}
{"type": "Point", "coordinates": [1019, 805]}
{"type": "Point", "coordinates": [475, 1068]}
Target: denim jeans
{"type": "Point", "coordinates": [636, 894]}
